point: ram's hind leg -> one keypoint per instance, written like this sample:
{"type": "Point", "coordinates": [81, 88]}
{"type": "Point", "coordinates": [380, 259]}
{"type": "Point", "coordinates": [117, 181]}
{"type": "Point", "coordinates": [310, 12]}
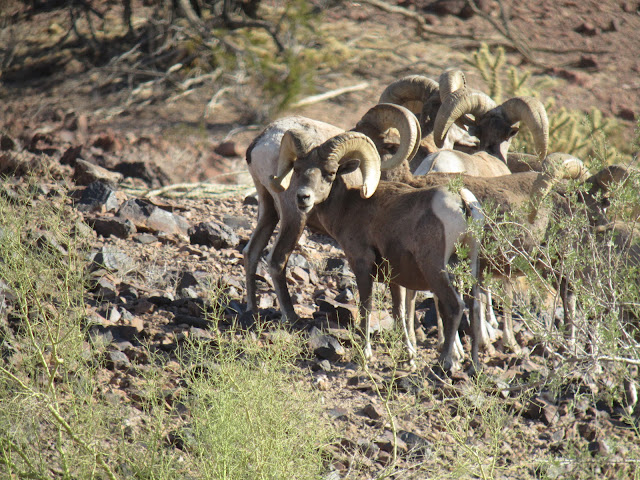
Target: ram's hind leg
{"type": "Point", "coordinates": [450, 308]}
{"type": "Point", "coordinates": [399, 299]}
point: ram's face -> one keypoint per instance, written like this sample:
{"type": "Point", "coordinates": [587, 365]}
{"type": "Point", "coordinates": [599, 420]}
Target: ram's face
{"type": "Point", "coordinates": [313, 178]}
{"type": "Point", "coordinates": [495, 134]}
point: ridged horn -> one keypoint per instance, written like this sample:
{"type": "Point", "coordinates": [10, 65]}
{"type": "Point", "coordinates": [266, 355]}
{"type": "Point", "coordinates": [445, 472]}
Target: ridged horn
{"type": "Point", "coordinates": [451, 80]}
{"type": "Point", "coordinates": [294, 144]}
{"type": "Point", "coordinates": [532, 113]}
{"type": "Point", "coordinates": [460, 102]}
{"type": "Point", "coordinates": [410, 92]}
{"type": "Point", "coordinates": [349, 145]}
{"type": "Point", "coordinates": [383, 116]}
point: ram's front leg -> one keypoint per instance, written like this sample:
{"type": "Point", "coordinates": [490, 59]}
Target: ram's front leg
{"type": "Point", "coordinates": [363, 269]}
{"type": "Point", "coordinates": [291, 228]}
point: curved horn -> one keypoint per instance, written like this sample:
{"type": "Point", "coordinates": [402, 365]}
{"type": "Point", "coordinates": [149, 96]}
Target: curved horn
{"type": "Point", "coordinates": [349, 145]}
{"type": "Point", "coordinates": [410, 92]}
{"type": "Point", "coordinates": [570, 167]}
{"type": "Point", "coordinates": [295, 143]}
{"type": "Point", "coordinates": [457, 104]}
{"type": "Point", "coordinates": [451, 80]}
{"type": "Point", "coordinates": [383, 116]}
{"type": "Point", "coordinates": [532, 113]}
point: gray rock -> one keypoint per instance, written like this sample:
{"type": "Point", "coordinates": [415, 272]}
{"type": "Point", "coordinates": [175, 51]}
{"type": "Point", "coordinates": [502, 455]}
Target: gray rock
{"type": "Point", "coordinates": [117, 360]}
{"type": "Point", "coordinates": [214, 235]}
{"type": "Point", "coordinates": [325, 346]}
{"type": "Point", "coordinates": [98, 196]}
{"type": "Point", "coordinates": [418, 446]}
{"type": "Point", "coordinates": [112, 260]}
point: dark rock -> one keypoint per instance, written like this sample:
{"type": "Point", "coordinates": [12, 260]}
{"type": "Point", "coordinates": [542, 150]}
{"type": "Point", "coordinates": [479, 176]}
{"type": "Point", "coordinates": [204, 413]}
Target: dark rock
{"type": "Point", "coordinates": [368, 449]}
{"type": "Point", "coordinates": [214, 235]}
{"type": "Point", "coordinates": [321, 365]}
{"type": "Point", "coordinates": [588, 29]}
{"type": "Point", "coordinates": [418, 446]}
{"type": "Point", "coordinates": [189, 279]}
{"type": "Point", "coordinates": [192, 321]}
{"type": "Point", "coordinates": [540, 409]}
{"type": "Point", "coordinates": [626, 114]}
{"type": "Point", "coordinates": [71, 155]}
{"type": "Point", "coordinates": [374, 412]}
{"type": "Point", "coordinates": [345, 296]}
{"type": "Point", "coordinates": [599, 447]}
{"type": "Point", "coordinates": [588, 62]}
{"type": "Point", "coordinates": [98, 196]}
{"type": "Point", "coordinates": [227, 149]}
{"type": "Point", "coordinates": [386, 442]}
{"type": "Point", "coordinates": [337, 265]}
{"type": "Point", "coordinates": [113, 226]}
{"type": "Point", "coordinates": [325, 346]}
{"type": "Point", "coordinates": [7, 143]}
{"type": "Point", "coordinates": [251, 200]}
{"type": "Point", "coordinates": [341, 313]}
{"type": "Point", "coordinates": [153, 175]}
{"type": "Point", "coordinates": [105, 289]}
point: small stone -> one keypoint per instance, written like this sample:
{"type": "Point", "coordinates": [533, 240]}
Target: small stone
{"type": "Point", "coordinates": [325, 346]}
{"type": "Point", "coordinates": [113, 226]}
{"type": "Point", "coordinates": [227, 149]}
{"type": "Point", "coordinates": [117, 360]}
{"type": "Point", "coordinates": [98, 196]}
{"type": "Point", "coordinates": [374, 412]}
{"type": "Point", "coordinates": [214, 235]}
{"type": "Point", "coordinates": [86, 173]}
{"type": "Point", "coordinates": [588, 29]}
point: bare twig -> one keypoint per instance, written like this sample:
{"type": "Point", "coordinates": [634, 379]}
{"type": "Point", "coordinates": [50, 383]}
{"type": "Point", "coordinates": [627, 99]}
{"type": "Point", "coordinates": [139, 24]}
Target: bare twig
{"type": "Point", "coordinates": [330, 94]}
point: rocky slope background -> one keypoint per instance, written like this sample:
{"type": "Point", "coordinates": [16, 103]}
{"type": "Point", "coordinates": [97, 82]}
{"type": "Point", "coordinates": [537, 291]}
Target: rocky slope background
{"type": "Point", "coordinates": [136, 139]}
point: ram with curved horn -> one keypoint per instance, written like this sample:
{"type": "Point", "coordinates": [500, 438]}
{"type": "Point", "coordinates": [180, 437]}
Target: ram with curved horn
{"type": "Point", "coordinates": [422, 96]}
{"type": "Point", "coordinates": [265, 157]}
{"type": "Point", "coordinates": [388, 230]}
{"type": "Point", "coordinates": [538, 193]}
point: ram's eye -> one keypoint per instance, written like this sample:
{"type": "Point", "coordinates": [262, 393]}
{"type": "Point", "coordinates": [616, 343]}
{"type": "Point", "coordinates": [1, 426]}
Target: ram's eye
{"type": "Point", "coordinates": [329, 174]}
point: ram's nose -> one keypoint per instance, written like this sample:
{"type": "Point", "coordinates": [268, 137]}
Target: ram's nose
{"type": "Point", "coordinates": [304, 200]}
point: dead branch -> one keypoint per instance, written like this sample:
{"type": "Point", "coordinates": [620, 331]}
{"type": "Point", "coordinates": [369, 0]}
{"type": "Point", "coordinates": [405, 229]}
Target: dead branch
{"type": "Point", "coordinates": [330, 94]}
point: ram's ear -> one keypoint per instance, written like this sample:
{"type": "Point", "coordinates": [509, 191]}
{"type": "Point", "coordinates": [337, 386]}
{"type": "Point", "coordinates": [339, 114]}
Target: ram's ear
{"type": "Point", "coordinates": [349, 166]}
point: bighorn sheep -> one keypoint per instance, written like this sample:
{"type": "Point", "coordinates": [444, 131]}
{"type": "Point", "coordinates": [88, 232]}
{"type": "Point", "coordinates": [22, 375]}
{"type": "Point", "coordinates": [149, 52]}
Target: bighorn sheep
{"type": "Point", "coordinates": [387, 230]}
{"type": "Point", "coordinates": [493, 125]}
{"type": "Point", "coordinates": [450, 102]}
{"type": "Point", "coordinates": [516, 191]}
{"type": "Point", "coordinates": [274, 206]}
{"type": "Point", "coordinates": [442, 106]}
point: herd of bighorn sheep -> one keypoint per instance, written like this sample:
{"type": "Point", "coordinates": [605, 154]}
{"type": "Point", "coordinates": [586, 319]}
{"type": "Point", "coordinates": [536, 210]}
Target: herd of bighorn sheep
{"type": "Point", "coordinates": [396, 211]}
